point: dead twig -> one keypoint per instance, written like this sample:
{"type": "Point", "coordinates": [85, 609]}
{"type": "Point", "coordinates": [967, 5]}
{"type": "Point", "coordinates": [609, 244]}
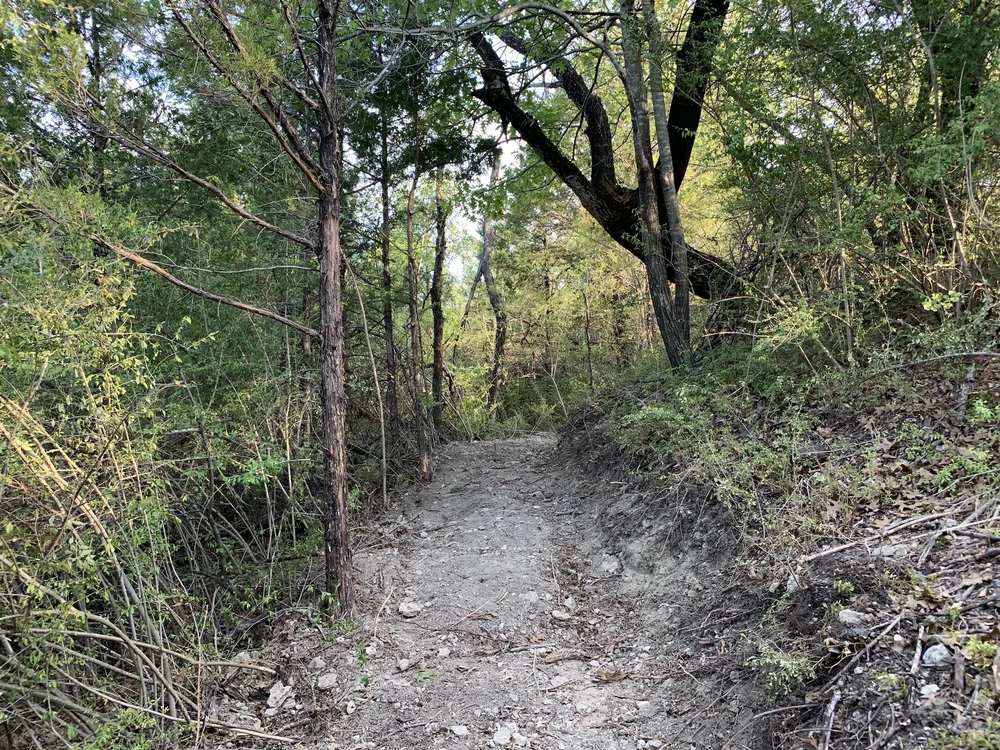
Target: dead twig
{"type": "Point", "coordinates": [460, 620]}
{"type": "Point", "coordinates": [831, 712]}
{"type": "Point", "coordinates": [861, 654]}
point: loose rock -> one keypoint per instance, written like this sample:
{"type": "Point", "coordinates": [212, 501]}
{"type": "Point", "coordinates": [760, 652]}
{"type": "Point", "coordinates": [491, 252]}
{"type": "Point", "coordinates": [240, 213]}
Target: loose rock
{"type": "Point", "coordinates": [937, 655]}
{"type": "Point", "coordinates": [410, 609]}
{"type": "Point", "coordinates": [326, 681]}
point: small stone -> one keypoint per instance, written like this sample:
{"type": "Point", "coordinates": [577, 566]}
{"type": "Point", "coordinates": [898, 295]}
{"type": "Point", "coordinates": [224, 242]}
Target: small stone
{"type": "Point", "coordinates": [444, 653]}
{"type": "Point", "coordinates": [278, 694]}
{"type": "Point", "coordinates": [560, 614]}
{"type": "Point", "coordinates": [852, 619]}
{"type": "Point", "coordinates": [611, 565]}
{"type": "Point", "coordinates": [403, 664]}
{"type": "Point", "coordinates": [408, 608]}
{"type": "Point", "coordinates": [928, 690]}
{"type": "Point", "coordinates": [531, 597]}
{"type": "Point", "coordinates": [317, 664]}
{"type": "Point", "coordinates": [570, 603]}
{"type": "Point", "coordinates": [890, 550]}
{"type": "Point", "coordinates": [326, 681]}
{"type": "Point", "coordinates": [654, 743]}
{"type": "Point", "coordinates": [350, 707]}
{"type": "Point", "coordinates": [937, 655]}
{"type": "Point", "coordinates": [460, 730]}
{"type": "Point", "coordinates": [502, 736]}
{"type": "Point", "coordinates": [793, 583]}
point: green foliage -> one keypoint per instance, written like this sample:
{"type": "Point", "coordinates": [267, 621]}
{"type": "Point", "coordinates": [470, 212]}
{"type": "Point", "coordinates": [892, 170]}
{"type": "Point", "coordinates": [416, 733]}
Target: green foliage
{"type": "Point", "coordinates": [129, 729]}
{"type": "Point", "coordinates": [969, 740]}
{"type": "Point", "coordinates": [782, 671]}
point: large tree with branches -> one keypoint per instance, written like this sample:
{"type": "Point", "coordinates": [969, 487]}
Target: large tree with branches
{"type": "Point", "coordinates": [642, 219]}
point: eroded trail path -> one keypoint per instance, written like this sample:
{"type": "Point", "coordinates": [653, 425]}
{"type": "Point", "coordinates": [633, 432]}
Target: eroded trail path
{"type": "Point", "coordinates": [496, 618]}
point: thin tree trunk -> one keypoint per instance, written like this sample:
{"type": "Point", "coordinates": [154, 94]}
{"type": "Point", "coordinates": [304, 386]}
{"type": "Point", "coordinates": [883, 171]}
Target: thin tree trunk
{"type": "Point", "coordinates": [437, 303]}
{"type": "Point", "coordinates": [484, 258]}
{"type": "Point", "coordinates": [672, 206]}
{"type": "Point", "coordinates": [337, 538]}
{"type": "Point", "coordinates": [497, 303]}
{"type": "Point", "coordinates": [391, 391]}
{"type": "Point", "coordinates": [496, 376]}
{"type": "Point", "coordinates": [656, 263]}
{"type": "Point", "coordinates": [586, 330]}
{"type": "Point", "coordinates": [425, 460]}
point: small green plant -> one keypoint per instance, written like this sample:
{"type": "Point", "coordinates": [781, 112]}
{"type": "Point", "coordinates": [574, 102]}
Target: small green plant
{"type": "Point", "coordinates": [424, 676]}
{"type": "Point", "coordinates": [980, 653]}
{"type": "Point", "coordinates": [980, 413]}
{"type": "Point", "coordinates": [971, 740]}
{"type": "Point", "coordinates": [887, 681]}
{"type": "Point", "coordinates": [130, 729]}
{"type": "Point", "coordinates": [783, 672]}
{"type": "Point", "coordinates": [844, 588]}
{"type": "Point", "coordinates": [886, 579]}
{"type": "Point", "coordinates": [954, 614]}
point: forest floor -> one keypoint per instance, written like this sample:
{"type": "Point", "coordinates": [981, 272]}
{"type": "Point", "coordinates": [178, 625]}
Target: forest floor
{"type": "Point", "coordinates": [500, 609]}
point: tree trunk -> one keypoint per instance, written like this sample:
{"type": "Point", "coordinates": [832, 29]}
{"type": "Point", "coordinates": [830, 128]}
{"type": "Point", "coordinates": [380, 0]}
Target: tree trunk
{"type": "Point", "coordinates": [496, 376]}
{"type": "Point", "coordinates": [391, 391]}
{"type": "Point", "coordinates": [668, 191]}
{"type": "Point", "coordinates": [497, 303]}
{"type": "Point", "coordinates": [337, 538]}
{"type": "Point", "coordinates": [656, 263]}
{"type": "Point", "coordinates": [437, 303]}
{"type": "Point", "coordinates": [425, 460]}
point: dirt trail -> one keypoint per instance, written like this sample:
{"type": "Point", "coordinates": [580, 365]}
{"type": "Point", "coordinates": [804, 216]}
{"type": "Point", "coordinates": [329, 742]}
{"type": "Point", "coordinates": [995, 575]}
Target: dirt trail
{"type": "Point", "coordinates": [496, 618]}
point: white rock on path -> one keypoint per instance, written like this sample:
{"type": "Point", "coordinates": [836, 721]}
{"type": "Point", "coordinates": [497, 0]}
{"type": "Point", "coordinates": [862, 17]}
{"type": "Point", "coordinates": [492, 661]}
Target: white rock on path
{"type": "Point", "coordinates": [410, 609]}
{"type": "Point", "coordinates": [853, 619]}
{"type": "Point", "coordinates": [279, 693]}
{"type": "Point", "coordinates": [326, 681]}
{"type": "Point", "coordinates": [460, 730]}
{"type": "Point", "coordinates": [318, 664]}
{"type": "Point", "coordinates": [611, 565]}
{"type": "Point", "coordinates": [938, 655]}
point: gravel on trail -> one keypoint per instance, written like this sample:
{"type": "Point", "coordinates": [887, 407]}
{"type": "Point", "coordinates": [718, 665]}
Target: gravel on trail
{"type": "Point", "coordinates": [496, 616]}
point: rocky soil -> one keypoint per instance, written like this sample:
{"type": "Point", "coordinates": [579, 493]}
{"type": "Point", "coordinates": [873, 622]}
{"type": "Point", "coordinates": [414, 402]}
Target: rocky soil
{"type": "Point", "coordinates": [504, 609]}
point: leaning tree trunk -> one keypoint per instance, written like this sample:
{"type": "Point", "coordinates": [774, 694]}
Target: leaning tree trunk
{"type": "Point", "coordinates": [437, 303]}
{"type": "Point", "coordinates": [425, 459]}
{"type": "Point", "coordinates": [336, 532]}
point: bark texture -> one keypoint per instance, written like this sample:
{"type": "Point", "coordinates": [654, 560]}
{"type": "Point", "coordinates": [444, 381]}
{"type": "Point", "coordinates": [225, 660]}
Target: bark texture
{"type": "Point", "coordinates": [425, 457]}
{"type": "Point", "coordinates": [437, 303]}
{"type": "Point", "coordinates": [337, 547]}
